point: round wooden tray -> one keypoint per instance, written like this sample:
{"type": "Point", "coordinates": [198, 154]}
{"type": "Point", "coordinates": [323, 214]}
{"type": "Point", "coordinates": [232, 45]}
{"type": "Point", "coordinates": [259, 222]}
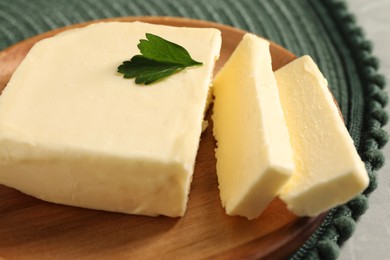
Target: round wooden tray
{"type": "Point", "coordinates": [34, 229]}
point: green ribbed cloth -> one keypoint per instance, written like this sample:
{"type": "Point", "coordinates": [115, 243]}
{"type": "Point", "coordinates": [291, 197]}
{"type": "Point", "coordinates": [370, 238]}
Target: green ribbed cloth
{"type": "Point", "coordinates": [323, 29]}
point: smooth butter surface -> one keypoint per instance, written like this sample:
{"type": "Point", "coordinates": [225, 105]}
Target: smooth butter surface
{"type": "Point", "coordinates": [329, 170]}
{"type": "Point", "coordinates": [254, 156]}
{"type": "Point", "coordinates": [73, 131]}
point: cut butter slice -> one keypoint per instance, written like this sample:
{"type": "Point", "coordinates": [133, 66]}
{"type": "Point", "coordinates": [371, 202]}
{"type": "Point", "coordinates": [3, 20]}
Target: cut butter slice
{"type": "Point", "coordinates": [74, 131]}
{"type": "Point", "coordinates": [254, 155]}
{"type": "Point", "coordinates": [329, 170]}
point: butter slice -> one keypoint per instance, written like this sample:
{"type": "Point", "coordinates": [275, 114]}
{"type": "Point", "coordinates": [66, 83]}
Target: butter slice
{"type": "Point", "coordinates": [74, 131]}
{"type": "Point", "coordinates": [254, 155]}
{"type": "Point", "coordinates": [329, 170]}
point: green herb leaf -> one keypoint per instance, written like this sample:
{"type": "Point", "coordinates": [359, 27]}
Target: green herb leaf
{"type": "Point", "coordinates": [159, 49]}
{"type": "Point", "coordinates": [160, 58]}
{"type": "Point", "coordinates": [146, 71]}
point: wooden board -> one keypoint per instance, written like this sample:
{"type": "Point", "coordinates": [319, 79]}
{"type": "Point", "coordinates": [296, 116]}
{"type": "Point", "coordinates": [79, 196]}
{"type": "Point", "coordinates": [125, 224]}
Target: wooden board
{"type": "Point", "coordinates": [34, 229]}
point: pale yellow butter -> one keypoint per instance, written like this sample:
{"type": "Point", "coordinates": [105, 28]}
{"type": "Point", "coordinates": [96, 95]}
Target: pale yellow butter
{"type": "Point", "coordinates": [329, 170]}
{"type": "Point", "coordinates": [254, 155]}
{"type": "Point", "coordinates": [73, 131]}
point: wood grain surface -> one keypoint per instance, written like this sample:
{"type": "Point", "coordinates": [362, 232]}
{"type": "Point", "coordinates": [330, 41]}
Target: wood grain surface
{"type": "Point", "coordinates": [34, 229]}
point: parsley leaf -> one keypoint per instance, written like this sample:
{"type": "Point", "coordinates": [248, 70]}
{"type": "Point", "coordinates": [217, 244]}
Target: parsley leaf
{"type": "Point", "coordinates": [161, 50]}
{"type": "Point", "coordinates": [146, 71]}
{"type": "Point", "coordinates": [160, 58]}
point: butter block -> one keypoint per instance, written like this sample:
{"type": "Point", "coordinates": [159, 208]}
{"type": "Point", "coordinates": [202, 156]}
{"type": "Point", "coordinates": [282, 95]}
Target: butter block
{"type": "Point", "coordinates": [254, 154]}
{"type": "Point", "coordinates": [74, 131]}
{"type": "Point", "coordinates": [329, 171]}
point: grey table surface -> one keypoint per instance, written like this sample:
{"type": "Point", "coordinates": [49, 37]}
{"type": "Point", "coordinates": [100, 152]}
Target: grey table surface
{"type": "Point", "coordinates": [371, 239]}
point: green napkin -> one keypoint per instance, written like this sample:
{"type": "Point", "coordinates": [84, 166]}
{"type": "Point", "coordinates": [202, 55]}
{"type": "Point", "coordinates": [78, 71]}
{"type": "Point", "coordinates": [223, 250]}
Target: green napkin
{"type": "Point", "coordinates": [324, 29]}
